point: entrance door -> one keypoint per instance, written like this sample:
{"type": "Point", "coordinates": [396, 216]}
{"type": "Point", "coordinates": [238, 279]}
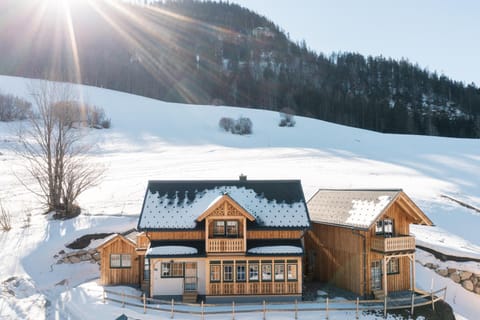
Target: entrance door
{"type": "Point", "coordinates": [376, 275]}
{"type": "Point", "coordinates": [190, 281]}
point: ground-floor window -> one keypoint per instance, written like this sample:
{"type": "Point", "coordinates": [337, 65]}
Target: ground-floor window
{"type": "Point", "coordinates": [241, 272]}
{"type": "Point", "coordinates": [393, 266]}
{"type": "Point", "coordinates": [279, 271]}
{"type": "Point", "coordinates": [292, 271]}
{"type": "Point", "coordinates": [228, 272]}
{"type": "Point", "coordinates": [253, 271]}
{"type": "Point", "coordinates": [146, 269]}
{"type": "Point", "coordinates": [120, 261]}
{"type": "Point", "coordinates": [215, 272]}
{"type": "Point", "coordinates": [266, 272]}
{"type": "Point", "coordinates": [172, 269]}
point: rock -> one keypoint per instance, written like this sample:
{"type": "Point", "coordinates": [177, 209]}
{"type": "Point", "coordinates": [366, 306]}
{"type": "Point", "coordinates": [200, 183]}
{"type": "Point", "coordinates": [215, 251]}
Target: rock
{"type": "Point", "coordinates": [451, 270]}
{"type": "Point", "coordinates": [96, 256]}
{"type": "Point", "coordinates": [455, 277]}
{"type": "Point", "coordinates": [55, 256]}
{"type": "Point", "coordinates": [85, 257]}
{"type": "Point", "coordinates": [66, 260]}
{"type": "Point", "coordinates": [61, 252]}
{"type": "Point", "coordinates": [92, 251]}
{"type": "Point", "coordinates": [474, 280]}
{"type": "Point", "coordinates": [477, 290]}
{"type": "Point", "coordinates": [442, 272]}
{"type": "Point", "coordinates": [60, 261]}
{"type": "Point", "coordinates": [74, 259]}
{"type": "Point", "coordinates": [429, 265]}
{"type": "Point", "coordinates": [464, 275]}
{"type": "Point", "coordinates": [467, 284]}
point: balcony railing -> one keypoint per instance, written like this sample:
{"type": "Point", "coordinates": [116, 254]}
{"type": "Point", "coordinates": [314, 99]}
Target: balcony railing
{"type": "Point", "coordinates": [225, 245]}
{"type": "Point", "coordinates": [254, 288]}
{"type": "Point", "coordinates": [399, 243]}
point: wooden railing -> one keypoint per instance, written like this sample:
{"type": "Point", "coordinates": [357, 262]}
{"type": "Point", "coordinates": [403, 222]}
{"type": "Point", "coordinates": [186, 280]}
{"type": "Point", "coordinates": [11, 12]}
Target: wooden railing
{"type": "Point", "coordinates": [253, 288]}
{"type": "Point", "coordinates": [225, 245]}
{"type": "Point", "coordinates": [400, 243]}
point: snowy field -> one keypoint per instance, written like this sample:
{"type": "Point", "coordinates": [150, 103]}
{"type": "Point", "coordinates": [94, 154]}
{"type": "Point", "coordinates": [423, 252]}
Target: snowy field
{"type": "Point", "coordinates": [151, 139]}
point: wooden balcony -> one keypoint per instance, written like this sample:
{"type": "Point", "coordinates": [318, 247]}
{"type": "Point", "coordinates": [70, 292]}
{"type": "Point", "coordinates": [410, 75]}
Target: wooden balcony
{"type": "Point", "coordinates": [253, 288]}
{"type": "Point", "coordinates": [393, 244]}
{"type": "Point", "coordinates": [225, 245]}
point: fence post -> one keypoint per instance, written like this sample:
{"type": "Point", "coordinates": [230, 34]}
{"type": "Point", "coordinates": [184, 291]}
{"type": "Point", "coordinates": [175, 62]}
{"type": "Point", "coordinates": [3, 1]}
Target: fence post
{"type": "Point", "coordinates": [356, 313]}
{"type": "Point", "coordinates": [444, 293]}
{"type": "Point", "coordinates": [202, 310]}
{"type": "Point", "coordinates": [104, 295]}
{"type": "Point", "coordinates": [413, 303]}
{"type": "Point", "coordinates": [171, 314]}
{"type": "Point", "coordinates": [123, 298]}
{"type": "Point", "coordinates": [233, 310]}
{"type": "Point", "coordinates": [385, 307]}
{"type": "Point", "coordinates": [144, 303]}
{"type": "Point", "coordinates": [433, 303]}
{"type": "Point", "coordinates": [327, 309]}
{"type": "Point", "coordinates": [264, 311]}
{"type": "Point", "coordinates": [296, 309]}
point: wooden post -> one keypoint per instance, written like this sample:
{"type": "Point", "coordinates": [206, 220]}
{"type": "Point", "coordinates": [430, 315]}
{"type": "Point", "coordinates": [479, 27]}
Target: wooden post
{"type": "Point", "coordinates": [413, 303]}
{"type": "Point", "coordinates": [264, 311]}
{"type": "Point", "coordinates": [144, 303]}
{"type": "Point", "coordinates": [444, 293]}
{"type": "Point", "coordinates": [123, 298]}
{"type": "Point", "coordinates": [296, 310]}
{"type": "Point", "coordinates": [233, 310]}
{"type": "Point", "coordinates": [104, 295]}
{"type": "Point", "coordinates": [385, 307]}
{"type": "Point", "coordinates": [433, 303]}
{"type": "Point", "coordinates": [384, 276]}
{"type": "Point", "coordinates": [356, 313]}
{"type": "Point", "coordinates": [202, 310]}
{"type": "Point", "coordinates": [327, 310]}
{"type": "Point", "coordinates": [171, 314]}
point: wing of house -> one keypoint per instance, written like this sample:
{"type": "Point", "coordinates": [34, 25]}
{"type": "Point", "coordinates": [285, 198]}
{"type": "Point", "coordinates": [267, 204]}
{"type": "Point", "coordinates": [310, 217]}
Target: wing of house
{"type": "Point", "coordinates": [360, 240]}
{"type": "Point", "coordinates": [224, 240]}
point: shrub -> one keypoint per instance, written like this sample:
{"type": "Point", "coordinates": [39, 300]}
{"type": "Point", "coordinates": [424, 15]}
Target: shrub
{"type": "Point", "coordinates": [13, 108]}
{"type": "Point", "coordinates": [286, 118]}
{"type": "Point", "coordinates": [5, 219]}
{"type": "Point", "coordinates": [240, 126]}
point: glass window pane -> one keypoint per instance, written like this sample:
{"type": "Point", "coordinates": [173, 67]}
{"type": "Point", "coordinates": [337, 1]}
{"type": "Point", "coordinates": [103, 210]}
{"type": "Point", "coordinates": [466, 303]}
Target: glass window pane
{"type": "Point", "coordinates": [219, 228]}
{"type": "Point", "coordinates": [126, 261]}
{"type": "Point", "coordinates": [266, 272]}
{"type": "Point", "coordinates": [253, 272]}
{"type": "Point", "coordinates": [292, 272]}
{"type": "Point", "coordinates": [241, 272]}
{"type": "Point", "coordinates": [115, 261]}
{"type": "Point", "coordinates": [215, 273]}
{"type": "Point", "coordinates": [279, 272]}
{"type": "Point", "coordinates": [228, 272]}
{"type": "Point", "coordinates": [232, 228]}
{"type": "Point", "coordinates": [166, 270]}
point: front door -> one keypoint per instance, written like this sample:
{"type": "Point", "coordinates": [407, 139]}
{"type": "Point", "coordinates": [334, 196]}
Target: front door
{"type": "Point", "coordinates": [190, 281]}
{"type": "Point", "coordinates": [376, 275]}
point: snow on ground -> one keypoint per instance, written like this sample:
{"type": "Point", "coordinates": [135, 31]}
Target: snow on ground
{"type": "Point", "coordinates": [151, 139]}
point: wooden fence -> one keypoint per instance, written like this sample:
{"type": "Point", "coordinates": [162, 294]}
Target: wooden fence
{"type": "Point", "coordinates": [418, 299]}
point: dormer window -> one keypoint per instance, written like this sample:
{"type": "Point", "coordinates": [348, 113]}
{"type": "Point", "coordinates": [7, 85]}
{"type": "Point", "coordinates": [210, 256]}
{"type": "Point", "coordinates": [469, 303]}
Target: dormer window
{"type": "Point", "coordinates": [227, 228]}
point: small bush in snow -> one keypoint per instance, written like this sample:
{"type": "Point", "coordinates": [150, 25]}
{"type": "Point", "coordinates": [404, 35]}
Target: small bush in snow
{"type": "Point", "coordinates": [76, 114]}
{"type": "Point", "coordinates": [286, 118]}
{"type": "Point", "coordinates": [13, 108]}
{"type": "Point", "coordinates": [5, 219]}
{"type": "Point", "coordinates": [240, 126]}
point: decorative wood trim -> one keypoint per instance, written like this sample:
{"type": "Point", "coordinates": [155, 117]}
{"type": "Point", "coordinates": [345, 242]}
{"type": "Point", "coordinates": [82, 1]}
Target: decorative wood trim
{"type": "Point", "coordinates": [225, 200]}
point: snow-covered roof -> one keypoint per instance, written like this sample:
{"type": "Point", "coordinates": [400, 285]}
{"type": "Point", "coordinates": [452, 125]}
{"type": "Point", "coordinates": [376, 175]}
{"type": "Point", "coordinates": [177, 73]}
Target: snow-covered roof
{"type": "Point", "coordinates": [351, 208]}
{"type": "Point", "coordinates": [276, 250]}
{"type": "Point", "coordinates": [171, 251]}
{"type": "Point", "coordinates": [177, 204]}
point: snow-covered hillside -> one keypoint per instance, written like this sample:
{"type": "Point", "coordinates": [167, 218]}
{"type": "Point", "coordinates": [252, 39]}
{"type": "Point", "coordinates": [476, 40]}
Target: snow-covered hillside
{"type": "Point", "coordinates": [151, 139]}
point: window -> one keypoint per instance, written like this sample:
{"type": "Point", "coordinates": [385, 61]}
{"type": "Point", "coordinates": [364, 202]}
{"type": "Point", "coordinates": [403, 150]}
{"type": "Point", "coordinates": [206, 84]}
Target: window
{"type": "Point", "coordinates": [219, 228]}
{"type": "Point", "coordinates": [253, 272]}
{"type": "Point", "coordinates": [279, 272]}
{"type": "Point", "coordinates": [120, 261]}
{"type": "Point", "coordinates": [215, 273]}
{"type": "Point", "coordinates": [241, 273]}
{"type": "Point", "coordinates": [384, 227]}
{"type": "Point", "coordinates": [225, 228]}
{"type": "Point", "coordinates": [232, 228]}
{"type": "Point", "coordinates": [266, 272]}
{"type": "Point", "coordinates": [291, 271]}
{"type": "Point", "coordinates": [227, 272]}
{"type": "Point", "coordinates": [393, 266]}
{"type": "Point", "coordinates": [146, 270]}
{"type": "Point", "coordinates": [172, 269]}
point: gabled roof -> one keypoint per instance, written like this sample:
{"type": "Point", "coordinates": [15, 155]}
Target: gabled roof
{"type": "Point", "coordinates": [359, 209]}
{"type": "Point", "coordinates": [129, 236]}
{"type": "Point", "coordinates": [177, 204]}
{"type": "Point", "coordinates": [220, 200]}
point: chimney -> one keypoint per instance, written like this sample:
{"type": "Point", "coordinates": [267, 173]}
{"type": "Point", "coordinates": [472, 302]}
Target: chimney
{"type": "Point", "coordinates": [243, 177]}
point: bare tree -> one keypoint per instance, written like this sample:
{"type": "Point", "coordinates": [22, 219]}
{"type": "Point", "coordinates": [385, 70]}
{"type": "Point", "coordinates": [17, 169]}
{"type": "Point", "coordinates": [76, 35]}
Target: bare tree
{"type": "Point", "coordinates": [54, 153]}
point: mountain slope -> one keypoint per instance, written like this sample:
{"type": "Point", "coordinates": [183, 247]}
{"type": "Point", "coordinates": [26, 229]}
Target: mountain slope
{"type": "Point", "coordinates": [209, 52]}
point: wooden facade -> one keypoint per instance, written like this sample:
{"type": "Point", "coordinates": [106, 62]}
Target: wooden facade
{"type": "Point", "coordinates": [127, 274]}
{"type": "Point", "coordinates": [361, 260]}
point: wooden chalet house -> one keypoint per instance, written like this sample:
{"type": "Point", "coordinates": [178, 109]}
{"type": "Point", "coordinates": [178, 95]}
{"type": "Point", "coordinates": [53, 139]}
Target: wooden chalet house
{"type": "Point", "coordinates": [223, 240]}
{"type": "Point", "coordinates": [360, 240]}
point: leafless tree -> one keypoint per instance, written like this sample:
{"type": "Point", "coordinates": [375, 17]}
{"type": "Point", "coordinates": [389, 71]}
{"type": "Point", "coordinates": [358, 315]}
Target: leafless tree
{"type": "Point", "coordinates": [55, 155]}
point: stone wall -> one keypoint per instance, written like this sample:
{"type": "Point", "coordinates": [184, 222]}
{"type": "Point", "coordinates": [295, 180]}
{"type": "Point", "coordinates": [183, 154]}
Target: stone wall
{"type": "Point", "coordinates": [468, 280]}
{"type": "Point", "coordinates": [91, 255]}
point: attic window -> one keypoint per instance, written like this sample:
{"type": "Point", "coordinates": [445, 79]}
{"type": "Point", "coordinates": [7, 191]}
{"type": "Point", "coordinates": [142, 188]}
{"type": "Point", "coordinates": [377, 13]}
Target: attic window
{"type": "Point", "coordinates": [384, 227]}
{"type": "Point", "coordinates": [225, 228]}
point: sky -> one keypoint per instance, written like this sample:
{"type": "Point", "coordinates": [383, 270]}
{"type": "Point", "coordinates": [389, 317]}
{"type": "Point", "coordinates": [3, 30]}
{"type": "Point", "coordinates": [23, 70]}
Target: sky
{"type": "Point", "coordinates": [440, 35]}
